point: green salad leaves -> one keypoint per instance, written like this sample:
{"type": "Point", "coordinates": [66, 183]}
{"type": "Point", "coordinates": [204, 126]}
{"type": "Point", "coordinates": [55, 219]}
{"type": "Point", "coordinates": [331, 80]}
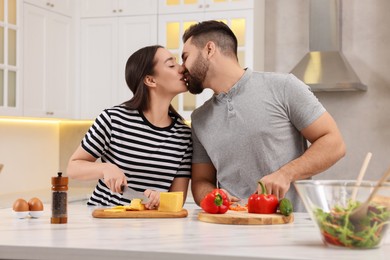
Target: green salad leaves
{"type": "Point", "coordinates": [337, 229]}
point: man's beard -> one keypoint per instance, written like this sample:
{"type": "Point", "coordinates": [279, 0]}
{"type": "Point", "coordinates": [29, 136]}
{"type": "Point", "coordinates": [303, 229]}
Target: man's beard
{"type": "Point", "coordinates": [196, 78]}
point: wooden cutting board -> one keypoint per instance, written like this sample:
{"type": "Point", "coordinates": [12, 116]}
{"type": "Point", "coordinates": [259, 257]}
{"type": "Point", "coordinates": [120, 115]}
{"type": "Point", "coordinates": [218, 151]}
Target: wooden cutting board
{"type": "Point", "coordinates": [245, 218]}
{"type": "Point", "coordinates": [100, 213]}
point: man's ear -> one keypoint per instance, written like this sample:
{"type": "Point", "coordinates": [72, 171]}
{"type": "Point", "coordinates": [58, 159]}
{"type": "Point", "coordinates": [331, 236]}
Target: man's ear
{"type": "Point", "coordinates": [210, 48]}
{"type": "Point", "coordinates": [149, 81]}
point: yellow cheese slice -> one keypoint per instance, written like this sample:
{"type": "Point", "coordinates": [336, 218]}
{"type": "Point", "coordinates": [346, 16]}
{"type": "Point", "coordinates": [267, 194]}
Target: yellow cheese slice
{"type": "Point", "coordinates": [114, 210]}
{"type": "Point", "coordinates": [171, 201]}
{"type": "Point", "coordinates": [119, 207]}
{"type": "Point", "coordinates": [136, 204]}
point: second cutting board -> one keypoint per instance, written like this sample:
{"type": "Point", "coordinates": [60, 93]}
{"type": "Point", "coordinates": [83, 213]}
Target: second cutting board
{"type": "Point", "coordinates": [245, 218]}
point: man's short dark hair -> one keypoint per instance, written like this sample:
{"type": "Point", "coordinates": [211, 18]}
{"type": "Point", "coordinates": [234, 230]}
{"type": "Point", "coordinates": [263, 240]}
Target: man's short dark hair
{"type": "Point", "coordinates": [215, 31]}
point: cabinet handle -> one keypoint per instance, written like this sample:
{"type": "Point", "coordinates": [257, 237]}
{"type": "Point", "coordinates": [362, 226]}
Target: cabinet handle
{"type": "Point", "coordinates": [114, 11]}
{"type": "Point", "coordinates": [52, 5]}
{"type": "Point", "coordinates": [200, 6]}
{"type": "Point", "coordinates": [207, 6]}
{"type": "Point", "coordinates": [49, 113]}
{"type": "Point", "coordinates": [120, 10]}
{"type": "Point", "coordinates": [48, 4]}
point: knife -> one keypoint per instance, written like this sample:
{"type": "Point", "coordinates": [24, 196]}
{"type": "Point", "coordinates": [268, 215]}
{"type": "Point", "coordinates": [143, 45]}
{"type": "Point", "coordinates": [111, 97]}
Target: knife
{"type": "Point", "coordinates": [129, 193]}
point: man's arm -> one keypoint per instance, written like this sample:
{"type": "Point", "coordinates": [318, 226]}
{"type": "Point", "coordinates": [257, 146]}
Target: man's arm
{"type": "Point", "coordinates": [203, 180]}
{"type": "Point", "coordinates": [327, 147]}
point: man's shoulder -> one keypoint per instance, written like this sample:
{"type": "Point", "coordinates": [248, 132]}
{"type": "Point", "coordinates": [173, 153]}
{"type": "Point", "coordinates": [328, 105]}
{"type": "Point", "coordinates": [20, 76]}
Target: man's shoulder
{"type": "Point", "coordinates": [200, 111]}
{"type": "Point", "coordinates": [271, 76]}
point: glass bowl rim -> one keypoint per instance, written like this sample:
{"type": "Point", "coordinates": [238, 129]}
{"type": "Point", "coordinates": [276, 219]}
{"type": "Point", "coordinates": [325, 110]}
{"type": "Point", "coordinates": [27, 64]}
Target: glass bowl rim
{"type": "Point", "coordinates": [340, 183]}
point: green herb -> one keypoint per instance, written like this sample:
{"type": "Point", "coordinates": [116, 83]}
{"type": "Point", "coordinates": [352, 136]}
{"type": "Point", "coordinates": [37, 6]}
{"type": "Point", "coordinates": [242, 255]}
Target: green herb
{"type": "Point", "coordinates": [338, 230]}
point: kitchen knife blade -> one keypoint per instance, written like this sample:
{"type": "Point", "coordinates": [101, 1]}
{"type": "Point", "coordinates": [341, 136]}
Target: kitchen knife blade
{"type": "Point", "coordinates": [129, 193]}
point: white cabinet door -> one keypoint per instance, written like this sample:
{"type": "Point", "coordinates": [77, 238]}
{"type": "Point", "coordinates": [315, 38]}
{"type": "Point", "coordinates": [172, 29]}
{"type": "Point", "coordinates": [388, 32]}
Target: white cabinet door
{"type": "Point", "coordinates": [99, 41]}
{"type": "Point", "coordinates": [98, 8]}
{"type": "Point", "coordinates": [64, 7]}
{"type": "Point", "coordinates": [46, 65]}
{"type": "Point", "coordinates": [144, 30]}
{"type": "Point", "coordinates": [137, 7]}
{"type": "Point", "coordinates": [110, 8]}
{"type": "Point", "coordinates": [171, 29]}
{"type": "Point", "coordinates": [107, 43]}
{"type": "Point", "coordinates": [58, 57]}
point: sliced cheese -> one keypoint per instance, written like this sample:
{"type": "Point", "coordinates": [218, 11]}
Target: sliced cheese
{"type": "Point", "coordinates": [171, 201]}
{"type": "Point", "coordinates": [114, 210]}
{"type": "Point", "coordinates": [136, 204]}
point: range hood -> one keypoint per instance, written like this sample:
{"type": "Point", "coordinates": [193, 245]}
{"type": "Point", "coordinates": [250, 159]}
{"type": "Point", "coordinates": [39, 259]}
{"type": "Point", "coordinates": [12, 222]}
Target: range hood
{"type": "Point", "coordinates": [325, 68]}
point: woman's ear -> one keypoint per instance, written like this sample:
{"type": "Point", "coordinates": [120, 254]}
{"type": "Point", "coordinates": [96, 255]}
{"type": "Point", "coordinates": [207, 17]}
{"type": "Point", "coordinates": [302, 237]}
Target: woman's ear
{"type": "Point", "coordinates": [149, 81]}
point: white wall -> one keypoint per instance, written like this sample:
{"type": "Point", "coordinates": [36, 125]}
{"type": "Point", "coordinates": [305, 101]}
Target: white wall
{"type": "Point", "coordinates": [363, 117]}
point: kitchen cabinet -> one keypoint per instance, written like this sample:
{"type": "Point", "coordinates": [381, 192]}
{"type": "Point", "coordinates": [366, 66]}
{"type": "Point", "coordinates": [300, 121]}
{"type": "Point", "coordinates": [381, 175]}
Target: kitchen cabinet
{"type": "Point", "coordinates": [199, 6]}
{"type": "Point", "coordinates": [10, 65]}
{"type": "Point", "coordinates": [172, 27]}
{"type": "Point", "coordinates": [106, 44]}
{"type": "Point", "coordinates": [47, 59]}
{"type": "Point", "coordinates": [64, 7]}
{"type": "Point", "coordinates": [109, 8]}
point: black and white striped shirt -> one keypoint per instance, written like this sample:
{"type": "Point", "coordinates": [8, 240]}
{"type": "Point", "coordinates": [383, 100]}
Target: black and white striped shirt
{"type": "Point", "coordinates": [151, 157]}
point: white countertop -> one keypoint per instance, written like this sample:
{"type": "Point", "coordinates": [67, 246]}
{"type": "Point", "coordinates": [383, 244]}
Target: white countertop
{"type": "Point", "coordinates": [85, 237]}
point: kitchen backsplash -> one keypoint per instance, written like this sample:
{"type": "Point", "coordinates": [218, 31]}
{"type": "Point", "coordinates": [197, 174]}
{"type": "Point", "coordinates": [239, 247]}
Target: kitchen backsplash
{"type": "Point", "coordinates": [34, 150]}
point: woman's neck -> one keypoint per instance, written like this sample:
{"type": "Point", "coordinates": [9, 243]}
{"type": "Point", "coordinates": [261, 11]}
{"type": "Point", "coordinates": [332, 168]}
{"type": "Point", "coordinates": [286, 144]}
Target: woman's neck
{"type": "Point", "coordinates": [157, 114]}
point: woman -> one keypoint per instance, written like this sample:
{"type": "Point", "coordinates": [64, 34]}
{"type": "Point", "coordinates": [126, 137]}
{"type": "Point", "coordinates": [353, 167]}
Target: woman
{"type": "Point", "coordinates": [142, 143]}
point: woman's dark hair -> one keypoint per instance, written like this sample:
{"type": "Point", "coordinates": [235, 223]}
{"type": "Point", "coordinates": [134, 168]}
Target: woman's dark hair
{"type": "Point", "coordinates": [215, 31]}
{"type": "Point", "coordinates": [140, 64]}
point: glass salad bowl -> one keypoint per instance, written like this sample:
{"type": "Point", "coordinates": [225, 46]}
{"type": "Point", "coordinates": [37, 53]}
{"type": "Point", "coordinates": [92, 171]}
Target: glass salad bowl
{"type": "Point", "coordinates": [330, 203]}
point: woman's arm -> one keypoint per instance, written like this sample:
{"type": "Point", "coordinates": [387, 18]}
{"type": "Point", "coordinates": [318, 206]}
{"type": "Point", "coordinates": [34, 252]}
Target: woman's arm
{"type": "Point", "coordinates": [83, 166]}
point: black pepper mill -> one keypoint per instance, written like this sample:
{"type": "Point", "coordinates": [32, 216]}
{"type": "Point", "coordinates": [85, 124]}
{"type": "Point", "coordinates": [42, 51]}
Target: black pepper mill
{"type": "Point", "coordinates": [59, 203]}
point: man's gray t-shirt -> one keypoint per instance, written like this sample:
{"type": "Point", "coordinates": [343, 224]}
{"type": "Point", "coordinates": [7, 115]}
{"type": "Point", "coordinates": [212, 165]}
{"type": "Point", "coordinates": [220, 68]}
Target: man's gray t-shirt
{"type": "Point", "coordinates": [254, 129]}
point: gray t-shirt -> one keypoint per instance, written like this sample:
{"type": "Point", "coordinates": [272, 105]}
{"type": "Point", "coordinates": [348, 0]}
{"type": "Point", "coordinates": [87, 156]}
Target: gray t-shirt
{"type": "Point", "coordinates": [254, 129]}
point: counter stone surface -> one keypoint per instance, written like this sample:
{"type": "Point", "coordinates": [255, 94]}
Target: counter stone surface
{"type": "Point", "coordinates": [85, 237]}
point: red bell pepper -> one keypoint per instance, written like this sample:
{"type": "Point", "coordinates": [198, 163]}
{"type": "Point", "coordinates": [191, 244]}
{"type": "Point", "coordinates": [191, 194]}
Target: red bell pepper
{"type": "Point", "coordinates": [262, 203]}
{"type": "Point", "coordinates": [216, 202]}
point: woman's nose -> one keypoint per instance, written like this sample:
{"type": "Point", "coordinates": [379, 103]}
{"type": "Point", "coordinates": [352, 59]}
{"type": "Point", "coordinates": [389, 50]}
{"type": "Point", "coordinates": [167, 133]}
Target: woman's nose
{"type": "Point", "coordinates": [182, 69]}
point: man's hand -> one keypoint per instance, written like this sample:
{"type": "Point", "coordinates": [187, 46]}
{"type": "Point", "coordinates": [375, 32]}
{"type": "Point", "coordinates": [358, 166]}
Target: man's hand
{"type": "Point", "coordinates": [276, 183]}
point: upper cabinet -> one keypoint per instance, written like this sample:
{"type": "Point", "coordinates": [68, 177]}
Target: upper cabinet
{"type": "Point", "coordinates": [47, 63]}
{"type": "Point", "coordinates": [66, 58]}
{"type": "Point", "coordinates": [197, 6]}
{"type": "Point", "coordinates": [109, 8]}
{"type": "Point", "coordinates": [10, 65]}
{"type": "Point", "coordinates": [64, 7]}
{"type": "Point", "coordinates": [106, 44]}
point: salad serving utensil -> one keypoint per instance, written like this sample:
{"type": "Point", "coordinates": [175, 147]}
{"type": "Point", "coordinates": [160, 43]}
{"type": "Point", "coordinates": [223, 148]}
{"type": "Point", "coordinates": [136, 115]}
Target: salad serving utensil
{"type": "Point", "coordinates": [362, 172]}
{"type": "Point", "coordinates": [361, 211]}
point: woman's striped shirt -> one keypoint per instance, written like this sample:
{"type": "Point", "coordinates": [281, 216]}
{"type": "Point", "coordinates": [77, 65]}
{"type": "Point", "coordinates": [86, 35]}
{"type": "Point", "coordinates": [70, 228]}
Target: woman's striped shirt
{"type": "Point", "coordinates": [151, 157]}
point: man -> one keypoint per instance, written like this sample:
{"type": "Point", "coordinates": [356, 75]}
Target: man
{"type": "Point", "coordinates": [255, 126]}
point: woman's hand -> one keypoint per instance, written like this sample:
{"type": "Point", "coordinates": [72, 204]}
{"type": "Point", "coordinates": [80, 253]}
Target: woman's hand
{"type": "Point", "coordinates": [114, 177]}
{"type": "Point", "coordinates": [154, 199]}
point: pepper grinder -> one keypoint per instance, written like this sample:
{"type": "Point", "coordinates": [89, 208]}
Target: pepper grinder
{"type": "Point", "coordinates": [59, 203]}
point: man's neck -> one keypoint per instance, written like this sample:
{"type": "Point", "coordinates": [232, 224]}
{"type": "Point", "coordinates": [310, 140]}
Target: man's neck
{"type": "Point", "coordinates": [224, 78]}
